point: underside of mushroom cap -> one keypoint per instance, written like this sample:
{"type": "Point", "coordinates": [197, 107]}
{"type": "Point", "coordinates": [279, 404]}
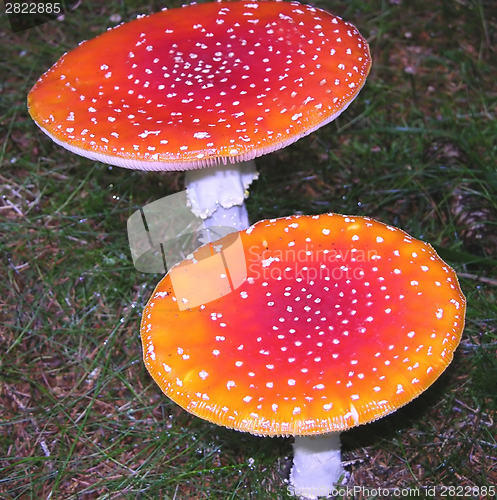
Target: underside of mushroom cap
{"type": "Point", "coordinates": [340, 321]}
{"type": "Point", "coordinates": [204, 84]}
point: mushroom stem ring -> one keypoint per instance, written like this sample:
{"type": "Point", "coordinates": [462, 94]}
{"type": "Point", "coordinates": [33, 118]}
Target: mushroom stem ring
{"type": "Point", "coordinates": [317, 466]}
{"type": "Point", "coordinates": [220, 193]}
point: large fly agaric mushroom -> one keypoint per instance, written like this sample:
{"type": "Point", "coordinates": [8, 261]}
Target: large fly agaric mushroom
{"type": "Point", "coordinates": [206, 85]}
{"type": "Point", "coordinates": [340, 321]}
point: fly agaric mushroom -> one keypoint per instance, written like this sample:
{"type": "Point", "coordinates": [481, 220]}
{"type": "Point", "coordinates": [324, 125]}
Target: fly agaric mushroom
{"type": "Point", "coordinates": [340, 321]}
{"type": "Point", "coordinates": [206, 85]}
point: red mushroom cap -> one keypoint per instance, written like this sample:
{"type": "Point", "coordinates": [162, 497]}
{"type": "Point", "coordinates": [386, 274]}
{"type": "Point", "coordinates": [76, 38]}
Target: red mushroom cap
{"type": "Point", "coordinates": [341, 320]}
{"type": "Point", "coordinates": [190, 87]}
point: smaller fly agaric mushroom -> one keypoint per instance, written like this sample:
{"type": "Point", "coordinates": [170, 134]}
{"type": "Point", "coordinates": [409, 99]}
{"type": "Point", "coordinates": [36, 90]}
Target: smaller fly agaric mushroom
{"type": "Point", "coordinates": [209, 85]}
{"type": "Point", "coordinates": [339, 321]}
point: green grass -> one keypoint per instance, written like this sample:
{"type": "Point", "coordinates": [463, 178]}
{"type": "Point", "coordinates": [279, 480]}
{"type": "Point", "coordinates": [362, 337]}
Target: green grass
{"type": "Point", "coordinates": [79, 416]}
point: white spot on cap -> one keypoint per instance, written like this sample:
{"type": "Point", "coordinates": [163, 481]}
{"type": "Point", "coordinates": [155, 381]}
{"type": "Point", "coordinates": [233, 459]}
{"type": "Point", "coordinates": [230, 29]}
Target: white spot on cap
{"type": "Point", "coordinates": [267, 262]}
{"type": "Point", "coordinates": [201, 135]}
{"type": "Point", "coordinates": [353, 413]}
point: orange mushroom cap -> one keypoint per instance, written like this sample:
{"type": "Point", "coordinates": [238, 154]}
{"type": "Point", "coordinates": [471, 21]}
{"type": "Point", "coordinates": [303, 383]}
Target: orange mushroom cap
{"type": "Point", "coordinates": [202, 84]}
{"type": "Point", "coordinates": [340, 321]}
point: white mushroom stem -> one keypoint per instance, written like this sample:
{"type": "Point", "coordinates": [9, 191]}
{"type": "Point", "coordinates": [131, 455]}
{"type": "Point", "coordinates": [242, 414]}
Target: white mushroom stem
{"type": "Point", "coordinates": [317, 465]}
{"type": "Point", "coordinates": [220, 192]}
